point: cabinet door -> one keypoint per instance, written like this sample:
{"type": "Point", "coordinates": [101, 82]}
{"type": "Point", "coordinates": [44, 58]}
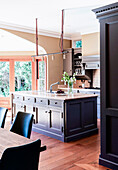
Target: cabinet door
{"type": "Point", "coordinates": [32, 110]}
{"type": "Point", "coordinates": [56, 120]}
{"type": "Point", "coordinates": [18, 107]}
{"type": "Point", "coordinates": [43, 117]}
{"type": "Point", "coordinates": [73, 117]}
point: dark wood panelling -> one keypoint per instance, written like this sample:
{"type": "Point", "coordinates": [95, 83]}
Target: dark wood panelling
{"type": "Point", "coordinates": [81, 118]}
{"type": "Point", "coordinates": [112, 64]}
{"type": "Point", "coordinates": [74, 117]}
{"type": "Point", "coordinates": [89, 113]}
{"type": "Point", "coordinates": [108, 17]}
{"type": "Point", "coordinates": [111, 135]}
{"type": "Point", "coordinates": [71, 120]}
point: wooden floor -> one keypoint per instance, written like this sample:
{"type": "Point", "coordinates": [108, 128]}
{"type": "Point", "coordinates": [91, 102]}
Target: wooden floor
{"type": "Point", "coordinates": [78, 155]}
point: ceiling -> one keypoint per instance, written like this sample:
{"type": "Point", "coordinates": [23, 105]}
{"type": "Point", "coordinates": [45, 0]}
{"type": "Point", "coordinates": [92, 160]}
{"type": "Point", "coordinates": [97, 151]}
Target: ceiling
{"type": "Point", "coordinates": [21, 15]}
{"type": "Point", "coordinates": [22, 44]}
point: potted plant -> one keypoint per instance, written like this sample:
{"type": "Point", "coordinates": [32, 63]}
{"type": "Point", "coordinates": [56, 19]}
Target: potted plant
{"type": "Point", "coordinates": [69, 80]}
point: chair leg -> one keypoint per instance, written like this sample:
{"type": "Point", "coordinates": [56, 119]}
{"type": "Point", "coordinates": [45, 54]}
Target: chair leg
{"type": "Point", "coordinates": [43, 148]}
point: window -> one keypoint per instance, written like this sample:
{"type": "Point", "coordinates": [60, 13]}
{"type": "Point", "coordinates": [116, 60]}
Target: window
{"type": "Point", "coordinates": [4, 79]}
{"type": "Point", "coordinates": [78, 44]}
{"type": "Point", "coordinates": [42, 76]}
{"type": "Point", "coordinates": [23, 76]}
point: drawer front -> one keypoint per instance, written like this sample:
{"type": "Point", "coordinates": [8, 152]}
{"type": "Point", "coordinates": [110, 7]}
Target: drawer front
{"type": "Point", "coordinates": [41, 101]}
{"type": "Point", "coordinates": [18, 98]}
{"type": "Point", "coordinates": [20, 107]}
{"type": "Point", "coordinates": [57, 103]}
{"type": "Point", "coordinates": [29, 99]}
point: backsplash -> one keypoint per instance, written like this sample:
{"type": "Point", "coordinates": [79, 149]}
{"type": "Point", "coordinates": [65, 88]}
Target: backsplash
{"type": "Point", "coordinates": [96, 78]}
{"type": "Point", "coordinates": [79, 83]}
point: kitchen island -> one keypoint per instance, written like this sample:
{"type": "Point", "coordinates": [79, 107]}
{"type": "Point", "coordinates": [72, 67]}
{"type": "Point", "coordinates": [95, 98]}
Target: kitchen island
{"type": "Point", "coordinates": [64, 117]}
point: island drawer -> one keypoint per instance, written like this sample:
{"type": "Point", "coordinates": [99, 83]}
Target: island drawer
{"type": "Point", "coordinates": [29, 99]}
{"type": "Point", "coordinates": [41, 101]}
{"type": "Point", "coordinates": [57, 103]}
{"type": "Point", "coordinates": [18, 98]}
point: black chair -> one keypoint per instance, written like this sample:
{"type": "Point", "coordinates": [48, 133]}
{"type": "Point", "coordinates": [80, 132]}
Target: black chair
{"type": "Point", "coordinates": [25, 157]}
{"type": "Point", "coordinates": [22, 124]}
{"type": "Point", "coordinates": [3, 113]}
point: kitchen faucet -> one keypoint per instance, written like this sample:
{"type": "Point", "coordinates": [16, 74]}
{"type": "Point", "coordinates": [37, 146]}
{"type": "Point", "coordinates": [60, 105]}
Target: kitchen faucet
{"type": "Point", "coordinates": [53, 85]}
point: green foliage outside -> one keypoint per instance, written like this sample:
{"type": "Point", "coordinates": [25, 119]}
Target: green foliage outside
{"type": "Point", "coordinates": [79, 44]}
{"type": "Point", "coordinates": [4, 79]}
{"type": "Point", "coordinates": [42, 77]}
{"type": "Point", "coordinates": [23, 76]}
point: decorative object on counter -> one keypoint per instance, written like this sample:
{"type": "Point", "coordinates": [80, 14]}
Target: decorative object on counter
{"type": "Point", "coordinates": [60, 93]}
{"type": "Point", "coordinates": [69, 80]}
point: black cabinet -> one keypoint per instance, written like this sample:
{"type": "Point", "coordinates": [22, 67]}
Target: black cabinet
{"type": "Point", "coordinates": [108, 17]}
{"type": "Point", "coordinates": [81, 118]}
{"type": "Point", "coordinates": [65, 120]}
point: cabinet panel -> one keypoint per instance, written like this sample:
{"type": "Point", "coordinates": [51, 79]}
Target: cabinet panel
{"type": "Point", "coordinates": [29, 99]}
{"type": "Point", "coordinates": [112, 64]}
{"type": "Point", "coordinates": [89, 118]}
{"type": "Point", "coordinates": [19, 107]}
{"type": "Point", "coordinates": [74, 117]}
{"type": "Point", "coordinates": [41, 101]}
{"type": "Point", "coordinates": [18, 97]}
{"type": "Point", "coordinates": [32, 110]}
{"type": "Point", "coordinates": [43, 117]}
{"type": "Point", "coordinates": [55, 103]}
{"type": "Point", "coordinates": [111, 135]}
{"type": "Point", "coordinates": [55, 120]}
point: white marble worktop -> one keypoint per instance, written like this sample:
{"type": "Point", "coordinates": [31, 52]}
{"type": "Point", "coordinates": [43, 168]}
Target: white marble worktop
{"type": "Point", "coordinates": [82, 89]}
{"type": "Point", "coordinates": [53, 96]}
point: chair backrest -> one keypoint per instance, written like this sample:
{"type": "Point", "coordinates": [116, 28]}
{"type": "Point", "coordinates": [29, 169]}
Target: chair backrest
{"type": "Point", "coordinates": [25, 157]}
{"type": "Point", "coordinates": [3, 113]}
{"type": "Point", "coordinates": [22, 124]}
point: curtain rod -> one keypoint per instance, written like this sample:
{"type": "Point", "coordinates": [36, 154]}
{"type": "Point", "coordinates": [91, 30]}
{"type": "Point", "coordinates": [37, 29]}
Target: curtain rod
{"type": "Point", "coordinates": [64, 52]}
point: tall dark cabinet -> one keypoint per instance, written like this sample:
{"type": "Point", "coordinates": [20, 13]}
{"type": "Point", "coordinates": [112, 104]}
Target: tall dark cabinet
{"type": "Point", "coordinates": [108, 17]}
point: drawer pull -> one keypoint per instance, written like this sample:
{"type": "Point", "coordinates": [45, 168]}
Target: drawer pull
{"type": "Point", "coordinates": [28, 98]}
{"type": "Point", "coordinates": [17, 97]}
{"type": "Point", "coordinates": [55, 102]}
{"type": "Point", "coordinates": [41, 100]}
{"type": "Point", "coordinates": [46, 111]}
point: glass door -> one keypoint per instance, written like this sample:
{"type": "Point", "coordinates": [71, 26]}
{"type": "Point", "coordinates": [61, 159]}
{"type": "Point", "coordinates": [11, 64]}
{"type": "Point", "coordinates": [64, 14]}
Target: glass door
{"type": "Point", "coordinates": [4, 79]}
{"type": "Point", "coordinates": [42, 75]}
{"type": "Point", "coordinates": [23, 76]}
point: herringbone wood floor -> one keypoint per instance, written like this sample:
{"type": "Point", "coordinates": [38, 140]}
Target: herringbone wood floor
{"type": "Point", "coordinates": [78, 155]}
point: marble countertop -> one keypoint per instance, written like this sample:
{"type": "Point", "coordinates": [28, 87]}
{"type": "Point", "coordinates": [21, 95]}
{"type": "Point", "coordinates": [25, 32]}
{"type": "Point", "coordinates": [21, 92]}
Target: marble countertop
{"type": "Point", "coordinates": [81, 89]}
{"type": "Point", "coordinates": [54, 95]}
